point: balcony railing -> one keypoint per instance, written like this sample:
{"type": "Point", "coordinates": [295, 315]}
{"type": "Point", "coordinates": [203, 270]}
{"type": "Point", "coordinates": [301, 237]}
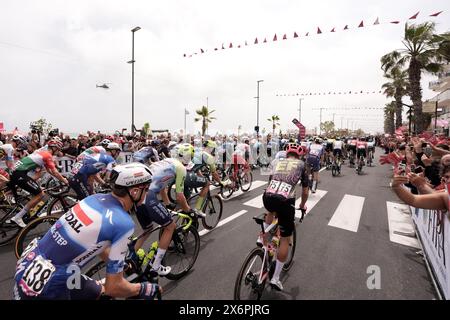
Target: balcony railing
{"type": "Point", "coordinates": [435, 83]}
{"type": "Point", "coordinates": [444, 75]}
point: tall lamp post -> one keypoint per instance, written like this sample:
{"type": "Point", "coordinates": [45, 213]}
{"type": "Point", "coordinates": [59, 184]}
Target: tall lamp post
{"type": "Point", "coordinates": [132, 61]}
{"type": "Point", "coordinates": [300, 109]}
{"type": "Point", "coordinates": [257, 108]}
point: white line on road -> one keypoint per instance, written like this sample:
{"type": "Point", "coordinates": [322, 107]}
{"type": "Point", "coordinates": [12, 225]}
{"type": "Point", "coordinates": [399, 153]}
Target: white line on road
{"type": "Point", "coordinates": [224, 221]}
{"type": "Point", "coordinates": [255, 184]}
{"type": "Point", "coordinates": [348, 213]}
{"type": "Point", "coordinates": [322, 169]}
{"type": "Point", "coordinates": [401, 228]}
{"type": "Point", "coordinates": [313, 199]}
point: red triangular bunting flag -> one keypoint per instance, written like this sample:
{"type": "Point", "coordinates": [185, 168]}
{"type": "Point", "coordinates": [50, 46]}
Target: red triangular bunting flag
{"type": "Point", "coordinates": [414, 16]}
{"type": "Point", "coordinates": [190, 56]}
{"type": "Point", "coordinates": [436, 14]}
{"type": "Point", "coordinates": [295, 35]}
{"type": "Point", "coordinates": [275, 37]}
{"type": "Point", "coordinates": [361, 25]}
{"type": "Point", "coordinates": [318, 30]}
{"type": "Point", "coordinates": [376, 22]}
{"type": "Point", "coordinates": [395, 22]}
{"type": "Point", "coordinates": [346, 27]}
{"type": "Point", "coordinates": [265, 40]}
{"type": "Point", "coordinates": [284, 37]}
{"type": "Point", "coordinates": [195, 53]}
{"type": "Point", "coordinates": [231, 45]}
{"type": "Point", "coordinates": [184, 55]}
{"type": "Point", "coordinates": [256, 41]}
{"type": "Point", "coordinates": [201, 50]}
{"type": "Point", "coordinates": [306, 34]}
{"type": "Point", "coordinates": [332, 30]}
{"type": "Point", "coordinates": [246, 43]}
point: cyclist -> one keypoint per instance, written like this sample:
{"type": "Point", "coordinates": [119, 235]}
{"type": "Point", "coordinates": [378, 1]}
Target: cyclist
{"type": "Point", "coordinates": [361, 147]}
{"type": "Point", "coordinates": [20, 178]}
{"type": "Point", "coordinates": [100, 148]}
{"type": "Point", "coordinates": [146, 155]}
{"type": "Point", "coordinates": [164, 172]}
{"type": "Point", "coordinates": [240, 157]}
{"type": "Point", "coordinates": [371, 147]}
{"type": "Point", "coordinates": [338, 145]}
{"type": "Point", "coordinates": [7, 154]}
{"type": "Point", "coordinates": [88, 170]}
{"type": "Point", "coordinates": [98, 225]}
{"type": "Point", "coordinates": [313, 160]}
{"type": "Point", "coordinates": [279, 198]}
{"type": "Point", "coordinates": [351, 147]}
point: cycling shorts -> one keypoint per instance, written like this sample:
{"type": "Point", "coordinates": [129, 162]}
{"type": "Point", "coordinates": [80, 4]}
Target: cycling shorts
{"type": "Point", "coordinates": [23, 180]}
{"type": "Point", "coordinates": [285, 211]}
{"type": "Point", "coordinates": [151, 211]}
{"type": "Point", "coordinates": [313, 162]}
{"type": "Point", "coordinates": [79, 183]}
{"type": "Point", "coordinates": [337, 152]}
{"type": "Point", "coordinates": [362, 153]}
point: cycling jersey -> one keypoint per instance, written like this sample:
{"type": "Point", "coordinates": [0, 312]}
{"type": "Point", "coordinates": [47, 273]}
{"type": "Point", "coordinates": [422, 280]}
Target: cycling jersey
{"type": "Point", "coordinates": [361, 145]}
{"type": "Point", "coordinates": [166, 171]}
{"type": "Point", "coordinates": [316, 150]}
{"type": "Point", "coordinates": [91, 151]}
{"type": "Point", "coordinates": [203, 158]}
{"type": "Point", "coordinates": [146, 155]}
{"type": "Point", "coordinates": [93, 164]}
{"type": "Point", "coordinates": [8, 149]}
{"type": "Point", "coordinates": [353, 142]}
{"type": "Point", "coordinates": [370, 144]}
{"type": "Point", "coordinates": [76, 238]}
{"type": "Point", "coordinates": [37, 159]}
{"type": "Point", "coordinates": [338, 145]}
{"type": "Point", "coordinates": [286, 173]}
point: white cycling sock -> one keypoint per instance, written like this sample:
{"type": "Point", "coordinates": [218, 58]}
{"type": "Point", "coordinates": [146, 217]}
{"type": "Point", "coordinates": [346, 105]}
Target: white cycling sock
{"type": "Point", "coordinates": [278, 267]}
{"type": "Point", "coordinates": [21, 213]}
{"type": "Point", "coordinates": [266, 225]}
{"type": "Point", "coordinates": [158, 258]}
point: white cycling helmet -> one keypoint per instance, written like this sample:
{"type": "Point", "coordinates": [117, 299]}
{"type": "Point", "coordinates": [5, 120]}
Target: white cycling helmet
{"type": "Point", "coordinates": [130, 175]}
{"type": "Point", "coordinates": [113, 146]}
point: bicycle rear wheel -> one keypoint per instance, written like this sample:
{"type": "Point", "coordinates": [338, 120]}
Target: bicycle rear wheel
{"type": "Point", "coordinates": [246, 181]}
{"type": "Point", "coordinates": [334, 170]}
{"type": "Point", "coordinates": [35, 229]}
{"type": "Point", "coordinates": [213, 212]}
{"type": "Point", "coordinates": [8, 230]}
{"type": "Point", "coordinates": [247, 286]}
{"type": "Point", "coordinates": [182, 252]}
{"type": "Point", "coordinates": [291, 252]}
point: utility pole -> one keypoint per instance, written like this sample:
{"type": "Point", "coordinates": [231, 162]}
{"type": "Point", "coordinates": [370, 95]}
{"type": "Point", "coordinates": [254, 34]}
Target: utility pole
{"type": "Point", "coordinates": [300, 109]}
{"type": "Point", "coordinates": [341, 122]}
{"type": "Point", "coordinates": [320, 128]}
{"type": "Point", "coordinates": [257, 108]}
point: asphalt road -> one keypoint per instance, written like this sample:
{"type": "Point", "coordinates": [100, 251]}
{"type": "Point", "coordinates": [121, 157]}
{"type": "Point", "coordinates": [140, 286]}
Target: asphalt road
{"type": "Point", "coordinates": [335, 254]}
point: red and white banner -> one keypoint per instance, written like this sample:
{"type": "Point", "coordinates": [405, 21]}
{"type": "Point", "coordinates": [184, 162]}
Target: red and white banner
{"type": "Point", "coordinates": [2, 128]}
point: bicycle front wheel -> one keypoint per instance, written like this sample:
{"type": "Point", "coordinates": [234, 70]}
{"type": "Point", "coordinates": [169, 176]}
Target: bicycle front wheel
{"type": "Point", "coordinates": [35, 229]}
{"type": "Point", "coordinates": [213, 212]}
{"type": "Point", "coordinates": [248, 285]}
{"type": "Point", "coordinates": [182, 252]}
{"type": "Point", "coordinates": [60, 205]}
{"type": "Point", "coordinates": [8, 230]}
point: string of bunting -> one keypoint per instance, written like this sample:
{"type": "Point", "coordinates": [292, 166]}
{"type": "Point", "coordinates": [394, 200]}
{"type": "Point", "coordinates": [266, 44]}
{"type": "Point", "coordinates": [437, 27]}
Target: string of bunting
{"type": "Point", "coordinates": [295, 35]}
{"type": "Point", "coordinates": [350, 92]}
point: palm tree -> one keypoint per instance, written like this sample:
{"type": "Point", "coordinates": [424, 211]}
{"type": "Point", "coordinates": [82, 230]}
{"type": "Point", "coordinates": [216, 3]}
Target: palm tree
{"type": "Point", "coordinates": [274, 119]}
{"type": "Point", "coordinates": [146, 129]}
{"type": "Point", "coordinates": [205, 116]}
{"type": "Point", "coordinates": [389, 111]}
{"type": "Point", "coordinates": [444, 46]}
{"type": "Point", "coordinates": [420, 54]}
{"type": "Point", "coordinates": [396, 88]}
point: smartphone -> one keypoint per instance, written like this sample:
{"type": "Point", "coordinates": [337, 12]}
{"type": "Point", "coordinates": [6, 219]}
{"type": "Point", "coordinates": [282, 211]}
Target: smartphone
{"type": "Point", "coordinates": [402, 169]}
{"type": "Point", "coordinates": [427, 151]}
{"type": "Point", "coordinates": [424, 144]}
{"type": "Point", "coordinates": [418, 169]}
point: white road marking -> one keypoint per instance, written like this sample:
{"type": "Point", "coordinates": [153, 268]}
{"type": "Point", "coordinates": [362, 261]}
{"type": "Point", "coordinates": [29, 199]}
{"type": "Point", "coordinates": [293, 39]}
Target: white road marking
{"type": "Point", "coordinates": [224, 221]}
{"type": "Point", "coordinates": [322, 169]}
{"type": "Point", "coordinates": [401, 225]}
{"type": "Point", "coordinates": [313, 199]}
{"type": "Point", "coordinates": [348, 213]}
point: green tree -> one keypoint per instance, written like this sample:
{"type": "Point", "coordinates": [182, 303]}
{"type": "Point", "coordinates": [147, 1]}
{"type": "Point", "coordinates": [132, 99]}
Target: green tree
{"type": "Point", "coordinates": [205, 117]}
{"type": "Point", "coordinates": [42, 125]}
{"type": "Point", "coordinates": [421, 54]}
{"type": "Point", "coordinates": [327, 127]}
{"type": "Point", "coordinates": [444, 46]}
{"type": "Point", "coordinates": [274, 119]}
{"type": "Point", "coordinates": [389, 111]}
{"type": "Point", "coordinates": [146, 129]}
{"type": "Point", "coordinates": [396, 88]}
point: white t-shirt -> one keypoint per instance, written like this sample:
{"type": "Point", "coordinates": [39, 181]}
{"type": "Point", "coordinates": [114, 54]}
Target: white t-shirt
{"type": "Point", "coordinates": [338, 145]}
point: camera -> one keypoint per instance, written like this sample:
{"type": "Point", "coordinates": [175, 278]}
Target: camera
{"type": "Point", "coordinates": [53, 132]}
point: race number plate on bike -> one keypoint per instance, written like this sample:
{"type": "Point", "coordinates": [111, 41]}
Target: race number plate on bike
{"type": "Point", "coordinates": [31, 246]}
{"type": "Point", "coordinates": [36, 276]}
{"type": "Point", "coordinates": [278, 187]}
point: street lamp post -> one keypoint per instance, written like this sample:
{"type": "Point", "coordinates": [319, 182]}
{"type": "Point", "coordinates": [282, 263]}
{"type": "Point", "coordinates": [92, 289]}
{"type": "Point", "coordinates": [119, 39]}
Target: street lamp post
{"type": "Point", "coordinates": [257, 108]}
{"type": "Point", "coordinates": [132, 61]}
{"type": "Point", "coordinates": [300, 109]}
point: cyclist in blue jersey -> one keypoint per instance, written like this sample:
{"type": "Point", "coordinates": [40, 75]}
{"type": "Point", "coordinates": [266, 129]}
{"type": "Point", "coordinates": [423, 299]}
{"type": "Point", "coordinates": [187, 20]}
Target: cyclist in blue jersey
{"type": "Point", "coordinates": [91, 166]}
{"type": "Point", "coordinates": [98, 225]}
{"type": "Point", "coordinates": [146, 155]}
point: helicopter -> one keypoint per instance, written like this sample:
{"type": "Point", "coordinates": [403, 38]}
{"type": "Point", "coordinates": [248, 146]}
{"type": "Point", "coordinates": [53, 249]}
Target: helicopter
{"type": "Point", "coordinates": [104, 86]}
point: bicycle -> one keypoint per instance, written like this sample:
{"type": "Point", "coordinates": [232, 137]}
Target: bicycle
{"type": "Point", "coordinates": [243, 180]}
{"type": "Point", "coordinates": [185, 241]}
{"type": "Point", "coordinates": [336, 167]}
{"type": "Point", "coordinates": [360, 165]}
{"type": "Point", "coordinates": [210, 211]}
{"type": "Point", "coordinates": [369, 159]}
{"type": "Point", "coordinates": [264, 260]}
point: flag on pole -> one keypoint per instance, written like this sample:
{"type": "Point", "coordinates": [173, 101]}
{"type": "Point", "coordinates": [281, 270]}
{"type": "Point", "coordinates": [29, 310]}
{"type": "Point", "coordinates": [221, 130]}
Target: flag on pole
{"type": "Point", "coordinates": [436, 14]}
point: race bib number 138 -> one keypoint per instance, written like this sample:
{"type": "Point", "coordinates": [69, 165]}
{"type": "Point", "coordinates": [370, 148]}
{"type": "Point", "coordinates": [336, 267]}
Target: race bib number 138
{"type": "Point", "coordinates": [36, 276]}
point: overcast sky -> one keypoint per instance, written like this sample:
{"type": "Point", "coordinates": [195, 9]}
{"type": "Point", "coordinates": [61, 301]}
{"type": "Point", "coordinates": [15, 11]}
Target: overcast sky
{"type": "Point", "coordinates": [53, 53]}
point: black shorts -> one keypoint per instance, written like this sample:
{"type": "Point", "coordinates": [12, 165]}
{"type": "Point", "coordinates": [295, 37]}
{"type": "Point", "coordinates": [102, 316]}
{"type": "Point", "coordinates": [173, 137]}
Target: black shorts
{"type": "Point", "coordinates": [337, 152]}
{"type": "Point", "coordinates": [285, 211]}
{"type": "Point", "coordinates": [193, 180]}
{"type": "Point", "coordinates": [24, 181]}
{"type": "Point", "coordinates": [80, 185]}
{"type": "Point", "coordinates": [153, 211]}
{"type": "Point", "coordinates": [329, 147]}
{"type": "Point", "coordinates": [362, 153]}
